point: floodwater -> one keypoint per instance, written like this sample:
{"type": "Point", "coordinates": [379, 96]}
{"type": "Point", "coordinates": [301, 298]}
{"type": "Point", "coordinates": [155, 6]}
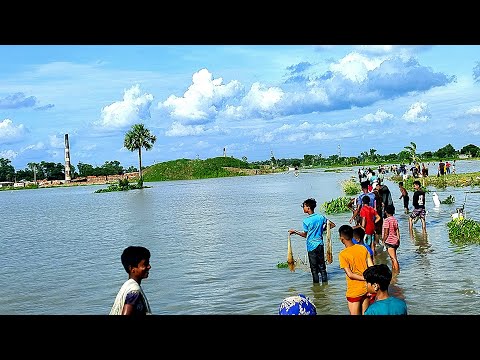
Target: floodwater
{"type": "Point", "coordinates": [215, 246]}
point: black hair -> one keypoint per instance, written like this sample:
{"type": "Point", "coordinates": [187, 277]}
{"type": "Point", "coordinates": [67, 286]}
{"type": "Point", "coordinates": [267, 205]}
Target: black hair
{"type": "Point", "coordinates": [364, 184]}
{"type": "Point", "coordinates": [366, 200]}
{"type": "Point", "coordinates": [311, 203]}
{"type": "Point", "coordinates": [132, 256]}
{"type": "Point", "coordinates": [346, 231]}
{"type": "Point", "coordinates": [417, 182]}
{"type": "Point", "coordinates": [390, 209]}
{"type": "Point", "coordinates": [400, 183]}
{"type": "Point", "coordinates": [359, 232]}
{"type": "Point", "coordinates": [380, 274]}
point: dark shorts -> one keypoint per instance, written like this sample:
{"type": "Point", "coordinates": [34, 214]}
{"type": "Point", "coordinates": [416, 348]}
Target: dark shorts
{"type": "Point", "coordinates": [379, 227]}
{"type": "Point", "coordinates": [418, 213]}
{"type": "Point", "coordinates": [357, 299]}
{"type": "Point", "coordinates": [405, 201]}
{"type": "Point", "coordinates": [391, 246]}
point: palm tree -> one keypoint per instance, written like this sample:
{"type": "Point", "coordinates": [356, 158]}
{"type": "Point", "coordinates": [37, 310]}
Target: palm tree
{"type": "Point", "coordinates": [413, 151]}
{"type": "Point", "coordinates": [136, 138]}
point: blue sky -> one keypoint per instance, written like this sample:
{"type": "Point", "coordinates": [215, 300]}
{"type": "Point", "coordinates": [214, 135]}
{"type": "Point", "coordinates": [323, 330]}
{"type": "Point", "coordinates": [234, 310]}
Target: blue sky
{"type": "Point", "coordinates": [249, 99]}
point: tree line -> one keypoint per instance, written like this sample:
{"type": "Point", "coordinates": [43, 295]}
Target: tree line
{"type": "Point", "coordinates": [408, 155]}
{"type": "Point", "coordinates": [135, 139]}
{"type": "Point", "coordinates": [56, 171]}
{"type": "Point", "coordinates": [138, 137]}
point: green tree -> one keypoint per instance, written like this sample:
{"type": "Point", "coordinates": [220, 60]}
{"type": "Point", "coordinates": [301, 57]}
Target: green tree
{"type": "Point", "coordinates": [446, 152]}
{"type": "Point", "coordinates": [136, 138]}
{"type": "Point", "coordinates": [412, 149]}
{"type": "Point", "coordinates": [471, 150]}
{"type": "Point", "coordinates": [7, 171]}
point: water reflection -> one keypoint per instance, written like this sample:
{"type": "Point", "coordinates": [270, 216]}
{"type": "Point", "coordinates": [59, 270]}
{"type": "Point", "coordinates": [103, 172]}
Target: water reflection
{"type": "Point", "coordinates": [419, 238]}
{"type": "Point", "coordinates": [394, 288]}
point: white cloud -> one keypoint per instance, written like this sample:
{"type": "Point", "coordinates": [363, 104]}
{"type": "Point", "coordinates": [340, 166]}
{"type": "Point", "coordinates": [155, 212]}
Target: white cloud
{"type": "Point", "coordinates": [473, 111]}
{"type": "Point", "coordinates": [378, 117]}
{"type": "Point", "coordinates": [202, 145]}
{"type": "Point", "coordinates": [417, 112]}
{"type": "Point", "coordinates": [8, 154]}
{"type": "Point", "coordinates": [38, 146]}
{"type": "Point", "coordinates": [177, 129]}
{"type": "Point", "coordinates": [202, 99]}
{"type": "Point", "coordinates": [134, 108]}
{"type": "Point", "coordinates": [9, 133]}
{"type": "Point", "coordinates": [355, 66]}
{"type": "Point", "coordinates": [261, 98]}
{"type": "Point", "coordinates": [474, 128]}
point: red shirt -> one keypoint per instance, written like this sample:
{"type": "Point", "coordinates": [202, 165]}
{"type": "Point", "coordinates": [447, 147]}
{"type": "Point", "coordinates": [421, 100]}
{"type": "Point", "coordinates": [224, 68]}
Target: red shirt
{"type": "Point", "coordinates": [369, 213]}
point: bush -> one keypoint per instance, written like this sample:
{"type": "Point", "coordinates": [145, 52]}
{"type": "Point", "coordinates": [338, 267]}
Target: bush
{"type": "Point", "coordinates": [351, 187]}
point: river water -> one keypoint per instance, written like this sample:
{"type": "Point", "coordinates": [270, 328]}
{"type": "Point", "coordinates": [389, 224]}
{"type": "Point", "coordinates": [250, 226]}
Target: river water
{"type": "Point", "coordinates": [215, 246]}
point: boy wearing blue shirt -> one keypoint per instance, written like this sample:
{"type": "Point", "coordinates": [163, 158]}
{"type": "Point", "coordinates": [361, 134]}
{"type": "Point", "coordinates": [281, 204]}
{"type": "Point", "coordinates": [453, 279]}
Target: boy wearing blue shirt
{"type": "Point", "coordinates": [378, 278]}
{"type": "Point", "coordinates": [314, 226]}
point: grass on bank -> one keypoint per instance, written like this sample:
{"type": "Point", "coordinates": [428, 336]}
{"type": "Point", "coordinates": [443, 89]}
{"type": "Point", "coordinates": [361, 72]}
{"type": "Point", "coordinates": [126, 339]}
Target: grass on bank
{"type": "Point", "coordinates": [186, 169]}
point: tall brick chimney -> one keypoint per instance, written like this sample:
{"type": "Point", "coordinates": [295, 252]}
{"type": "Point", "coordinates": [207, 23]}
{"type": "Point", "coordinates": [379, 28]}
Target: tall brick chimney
{"type": "Point", "coordinates": [68, 178]}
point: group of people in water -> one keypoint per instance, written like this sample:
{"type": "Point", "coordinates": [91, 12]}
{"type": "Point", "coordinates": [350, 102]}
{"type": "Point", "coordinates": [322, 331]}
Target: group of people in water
{"type": "Point", "coordinates": [372, 223]}
{"type": "Point", "coordinates": [367, 282]}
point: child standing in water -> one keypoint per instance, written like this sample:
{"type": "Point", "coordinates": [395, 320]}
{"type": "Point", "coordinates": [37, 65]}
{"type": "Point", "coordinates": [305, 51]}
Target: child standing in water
{"type": "Point", "coordinates": [314, 225]}
{"type": "Point", "coordinates": [391, 236]}
{"type": "Point", "coordinates": [354, 259]}
{"type": "Point", "coordinates": [404, 195]}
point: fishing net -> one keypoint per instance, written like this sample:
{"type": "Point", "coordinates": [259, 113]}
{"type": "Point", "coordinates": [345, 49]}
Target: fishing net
{"type": "Point", "coordinates": [329, 249]}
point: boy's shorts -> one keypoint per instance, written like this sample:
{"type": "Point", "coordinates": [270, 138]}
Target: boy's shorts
{"type": "Point", "coordinates": [418, 213]}
{"type": "Point", "coordinates": [369, 239]}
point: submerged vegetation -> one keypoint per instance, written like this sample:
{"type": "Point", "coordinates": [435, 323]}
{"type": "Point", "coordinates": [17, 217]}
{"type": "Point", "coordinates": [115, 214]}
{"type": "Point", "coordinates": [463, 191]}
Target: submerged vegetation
{"type": "Point", "coordinates": [450, 199]}
{"type": "Point", "coordinates": [441, 182]}
{"type": "Point", "coordinates": [123, 185]}
{"type": "Point", "coordinates": [337, 205]}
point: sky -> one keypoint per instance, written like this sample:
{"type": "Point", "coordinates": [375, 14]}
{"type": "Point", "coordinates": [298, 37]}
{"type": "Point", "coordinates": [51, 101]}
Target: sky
{"type": "Point", "coordinates": [251, 100]}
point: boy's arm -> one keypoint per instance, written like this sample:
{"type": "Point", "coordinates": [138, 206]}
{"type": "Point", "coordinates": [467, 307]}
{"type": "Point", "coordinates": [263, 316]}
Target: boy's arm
{"type": "Point", "coordinates": [363, 222]}
{"type": "Point", "coordinates": [352, 275]}
{"type": "Point", "coordinates": [385, 233]}
{"type": "Point", "coordinates": [355, 213]}
{"type": "Point", "coordinates": [369, 261]}
{"type": "Point", "coordinates": [301, 233]}
{"type": "Point", "coordinates": [377, 217]}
